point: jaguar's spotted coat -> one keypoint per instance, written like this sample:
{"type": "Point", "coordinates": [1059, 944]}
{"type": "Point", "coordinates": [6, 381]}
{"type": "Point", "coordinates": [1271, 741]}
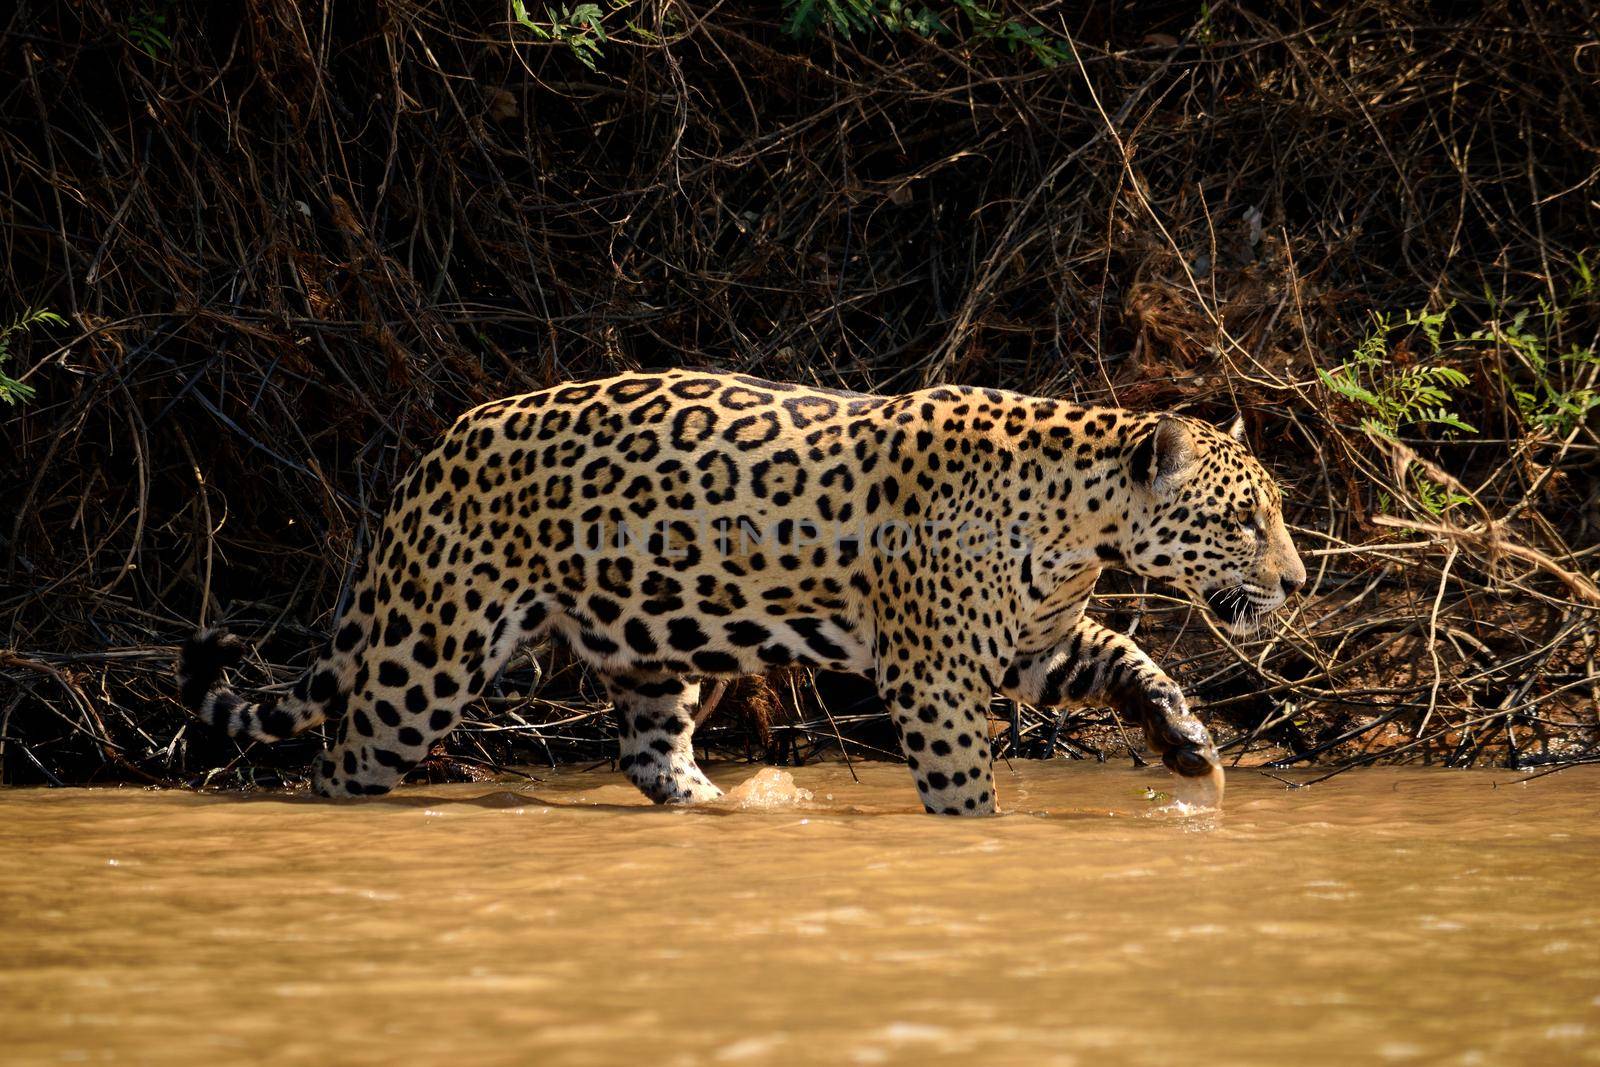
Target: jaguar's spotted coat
{"type": "Point", "coordinates": [946, 541]}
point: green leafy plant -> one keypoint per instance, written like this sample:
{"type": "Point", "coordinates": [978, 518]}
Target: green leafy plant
{"type": "Point", "coordinates": [1394, 394]}
{"type": "Point", "coordinates": [849, 17]}
{"type": "Point", "coordinates": [1547, 395]}
{"type": "Point", "coordinates": [1587, 287]}
{"type": "Point", "coordinates": [147, 30]}
{"type": "Point", "coordinates": [990, 25]}
{"type": "Point", "coordinates": [1435, 499]}
{"type": "Point", "coordinates": [11, 390]}
{"type": "Point", "coordinates": [578, 27]}
{"type": "Point", "coordinates": [1395, 390]}
{"type": "Point", "coordinates": [986, 24]}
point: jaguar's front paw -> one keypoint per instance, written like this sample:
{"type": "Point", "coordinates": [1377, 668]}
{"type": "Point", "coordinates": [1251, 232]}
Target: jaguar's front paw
{"type": "Point", "coordinates": [1180, 739]}
{"type": "Point", "coordinates": [1192, 762]}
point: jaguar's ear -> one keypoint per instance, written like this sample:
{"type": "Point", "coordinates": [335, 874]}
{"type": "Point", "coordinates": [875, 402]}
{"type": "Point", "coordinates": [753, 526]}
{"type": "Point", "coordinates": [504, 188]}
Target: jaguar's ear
{"type": "Point", "coordinates": [1166, 456]}
{"type": "Point", "coordinates": [1236, 431]}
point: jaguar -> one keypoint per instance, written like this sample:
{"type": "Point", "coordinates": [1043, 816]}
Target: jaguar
{"type": "Point", "coordinates": [681, 527]}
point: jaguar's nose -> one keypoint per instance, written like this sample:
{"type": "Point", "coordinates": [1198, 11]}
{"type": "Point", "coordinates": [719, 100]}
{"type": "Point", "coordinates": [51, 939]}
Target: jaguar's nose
{"type": "Point", "coordinates": [1291, 586]}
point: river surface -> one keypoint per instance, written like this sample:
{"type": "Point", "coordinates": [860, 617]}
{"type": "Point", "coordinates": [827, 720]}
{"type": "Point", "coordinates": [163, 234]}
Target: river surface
{"type": "Point", "coordinates": [1385, 916]}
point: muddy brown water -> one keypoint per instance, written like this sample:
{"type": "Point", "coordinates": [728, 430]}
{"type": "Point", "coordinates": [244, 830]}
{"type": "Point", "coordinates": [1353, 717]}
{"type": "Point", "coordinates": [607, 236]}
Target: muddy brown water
{"type": "Point", "coordinates": [1386, 916]}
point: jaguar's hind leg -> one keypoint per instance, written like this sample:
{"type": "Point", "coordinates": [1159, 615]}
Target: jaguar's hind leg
{"type": "Point", "coordinates": [408, 694]}
{"type": "Point", "coordinates": [392, 721]}
{"type": "Point", "coordinates": [655, 725]}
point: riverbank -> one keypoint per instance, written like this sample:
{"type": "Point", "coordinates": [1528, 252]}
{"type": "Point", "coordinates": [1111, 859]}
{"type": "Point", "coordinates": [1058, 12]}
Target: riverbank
{"type": "Point", "coordinates": [284, 251]}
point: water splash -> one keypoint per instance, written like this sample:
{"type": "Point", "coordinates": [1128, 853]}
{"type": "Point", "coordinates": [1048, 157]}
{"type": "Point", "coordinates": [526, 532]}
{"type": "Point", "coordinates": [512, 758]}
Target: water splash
{"type": "Point", "coordinates": [769, 789]}
{"type": "Point", "coordinates": [1194, 795]}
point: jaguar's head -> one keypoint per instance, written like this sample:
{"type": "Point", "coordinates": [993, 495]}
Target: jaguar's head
{"type": "Point", "coordinates": [1207, 517]}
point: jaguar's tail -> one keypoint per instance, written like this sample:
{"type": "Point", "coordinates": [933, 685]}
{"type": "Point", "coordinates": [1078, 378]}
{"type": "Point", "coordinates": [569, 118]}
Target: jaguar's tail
{"type": "Point", "coordinates": [321, 694]}
{"type": "Point", "coordinates": [267, 717]}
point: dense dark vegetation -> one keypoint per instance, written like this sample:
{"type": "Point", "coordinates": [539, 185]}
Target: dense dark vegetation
{"type": "Point", "coordinates": [289, 242]}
